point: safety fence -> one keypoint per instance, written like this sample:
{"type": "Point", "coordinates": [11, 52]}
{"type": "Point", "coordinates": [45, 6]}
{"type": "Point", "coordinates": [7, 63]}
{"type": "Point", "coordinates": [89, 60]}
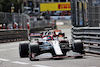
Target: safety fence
{"type": "Point", "coordinates": [90, 37]}
{"type": "Point", "coordinates": [13, 35]}
{"type": "Point", "coordinates": [93, 13]}
{"type": "Point", "coordinates": [12, 21]}
{"type": "Point", "coordinates": [20, 21]}
{"type": "Point", "coordinates": [14, 27]}
{"type": "Point", "coordinates": [85, 15]}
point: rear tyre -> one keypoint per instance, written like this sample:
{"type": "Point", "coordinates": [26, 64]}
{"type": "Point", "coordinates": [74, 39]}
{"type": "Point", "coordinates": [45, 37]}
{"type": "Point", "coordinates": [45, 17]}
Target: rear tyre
{"type": "Point", "coordinates": [23, 50]}
{"type": "Point", "coordinates": [33, 51]}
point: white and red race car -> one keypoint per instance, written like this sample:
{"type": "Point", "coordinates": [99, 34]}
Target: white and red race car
{"type": "Point", "coordinates": [57, 46]}
{"type": "Point", "coordinates": [59, 33]}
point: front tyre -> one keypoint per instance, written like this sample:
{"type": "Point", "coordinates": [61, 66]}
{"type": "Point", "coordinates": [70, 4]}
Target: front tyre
{"type": "Point", "coordinates": [23, 50]}
{"type": "Point", "coordinates": [77, 46]}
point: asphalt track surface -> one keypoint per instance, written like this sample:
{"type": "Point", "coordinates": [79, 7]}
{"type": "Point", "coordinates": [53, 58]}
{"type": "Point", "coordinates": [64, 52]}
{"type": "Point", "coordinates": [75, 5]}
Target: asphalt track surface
{"type": "Point", "coordinates": [9, 55]}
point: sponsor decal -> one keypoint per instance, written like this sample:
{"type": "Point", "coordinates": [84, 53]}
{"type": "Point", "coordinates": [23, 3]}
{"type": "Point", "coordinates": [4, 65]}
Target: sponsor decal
{"type": "Point", "coordinates": [64, 6]}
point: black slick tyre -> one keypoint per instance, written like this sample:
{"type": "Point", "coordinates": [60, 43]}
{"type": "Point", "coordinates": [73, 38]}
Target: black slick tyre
{"type": "Point", "coordinates": [77, 46]}
{"type": "Point", "coordinates": [23, 50]}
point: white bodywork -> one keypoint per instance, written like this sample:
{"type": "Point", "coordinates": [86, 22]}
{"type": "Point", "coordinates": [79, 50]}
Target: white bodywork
{"type": "Point", "coordinates": [56, 47]}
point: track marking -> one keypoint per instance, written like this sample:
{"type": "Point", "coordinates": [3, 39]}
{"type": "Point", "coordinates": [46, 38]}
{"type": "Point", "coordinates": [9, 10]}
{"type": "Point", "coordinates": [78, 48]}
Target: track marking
{"type": "Point", "coordinates": [92, 66]}
{"type": "Point", "coordinates": [40, 66]}
{"type": "Point", "coordinates": [4, 59]}
{"type": "Point", "coordinates": [17, 62]}
{"type": "Point", "coordinates": [3, 49]}
{"type": "Point", "coordinates": [59, 23]}
{"type": "Point", "coordinates": [8, 49]}
{"type": "Point", "coordinates": [12, 48]}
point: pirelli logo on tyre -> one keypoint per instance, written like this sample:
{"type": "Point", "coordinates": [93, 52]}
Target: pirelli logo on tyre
{"type": "Point", "coordinates": [55, 6]}
{"type": "Point", "coordinates": [64, 6]}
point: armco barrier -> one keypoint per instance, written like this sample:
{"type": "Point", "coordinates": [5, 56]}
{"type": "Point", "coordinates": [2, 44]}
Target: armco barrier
{"type": "Point", "coordinates": [12, 35]}
{"type": "Point", "coordinates": [7, 35]}
{"type": "Point", "coordinates": [90, 37]}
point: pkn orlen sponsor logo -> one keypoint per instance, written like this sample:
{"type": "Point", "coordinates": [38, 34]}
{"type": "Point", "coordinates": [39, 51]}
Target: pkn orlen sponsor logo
{"type": "Point", "coordinates": [64, 6]}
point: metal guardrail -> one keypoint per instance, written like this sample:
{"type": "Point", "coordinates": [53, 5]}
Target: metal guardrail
{"type": "Point", "coordinates": [20, 32]}
{"type": "Point", "coordinates": [12, 35]}
{"type": "Point", "coordinates": [90, 37]}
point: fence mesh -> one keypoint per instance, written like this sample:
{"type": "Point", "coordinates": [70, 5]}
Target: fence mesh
{"type": "Point", "coordinates": [21, 21]}
{"type": "Point", "coordinates": [85, 13]}
{"type": "Point", "coordinates": [94, 13]}
{"type": "Point", "coordinates": [10, 20]}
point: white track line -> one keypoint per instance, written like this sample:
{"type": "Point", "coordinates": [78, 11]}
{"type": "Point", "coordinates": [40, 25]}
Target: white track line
{"type": "Point", "coordinates": [4, 59]}
{"type": "Point", "coordinates": [92, 66]}
{"type": "Point", "coordinates": [22, 63]}
{"type": "Point", "coordinates": [8, 49]}
{"type": "Point", "coordinates": [17, 62]}
{"type": "Point", "coordinates": [12, 48]}
{"type": "Point", "coordinates": [3, 49]}
{"type": "Point", "coordinates": [40, 66]}
{"type": "Point", "coordinates": [59, 23]}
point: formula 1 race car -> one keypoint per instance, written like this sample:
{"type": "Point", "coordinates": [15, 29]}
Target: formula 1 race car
{"type": "Point", "coordinates": [57, 46]}
{"type": "Point", "coordinates": [59, 33]}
